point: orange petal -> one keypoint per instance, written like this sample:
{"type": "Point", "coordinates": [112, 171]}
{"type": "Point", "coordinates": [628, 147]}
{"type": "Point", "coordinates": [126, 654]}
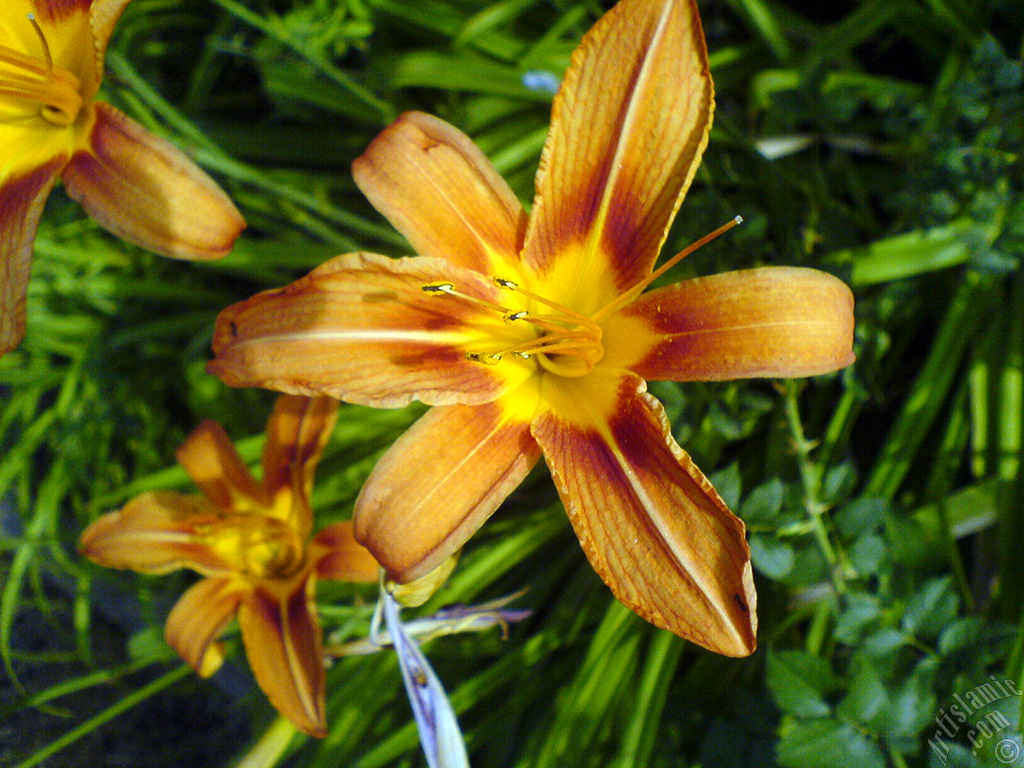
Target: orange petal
{"type": "Point", "coordinates": [297, 432]}
{"type": "Point", "coordinates": [361, 329]}
{"type": "Point", "coordinates": [774, 321]}
{"type": "Point", "coordinates": [21, 204]}
{"type": "Point", "coordinates": [54, 13]}
{"type": "Point", "coordinates": [103, 16]}
{"type": "Point", "coordinates": [156, 532]}
{"type": "Point", "coordinates": [650, 523]}
{"type": "Point", "coordinates": [145, 190]}
{"type": "Point", "coordinates": [198, 618]}
{"type": "Point", "coordinates": [339, 557]}
{"type": "Point", "coordinates": [212, 461]}
{"type": "Point", "coordinates": [281, 633]}
{"type": "Point", "coordinates": [628, 128]}
{"type": "Point", "coordinates": [438, 483]}
{"type": "Point", "coordinates": [440, 191]}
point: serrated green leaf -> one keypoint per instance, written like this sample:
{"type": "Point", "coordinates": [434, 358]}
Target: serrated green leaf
{"type": "Point", "coordinates": [866, 696]}
{"type": "Point", "coordinates": [931, 608]}
{"type": "Point", "coordinates": [764, 502]}
{"type": "Point", "coordinates": [867, 554]}
{"type": "Point", "coordinates": [912, 703]}
{"type": "Point", "coordinates": [771, 556]}
{"type": "Point", "coordinates": [860, 516]}
{"type": "Point", "coordinates": [856, 611]}
{"type": "Point", "coordinates": [827, 743]}
{"type": "Point", "coordinates": [799, 681]}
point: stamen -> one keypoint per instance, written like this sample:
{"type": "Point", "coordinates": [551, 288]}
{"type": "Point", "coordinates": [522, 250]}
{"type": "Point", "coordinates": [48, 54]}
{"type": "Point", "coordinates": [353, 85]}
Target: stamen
{"type": "Point", "coordinates": [625, 298]}
{"type": "Point", "coordinates": [448, 289]}
{"type": "Point", "coordinates": [567, 334]}
{"type": "Point", "coordinates": [508, 285]}
{"type": "Point", "coordinates": [55, 92]}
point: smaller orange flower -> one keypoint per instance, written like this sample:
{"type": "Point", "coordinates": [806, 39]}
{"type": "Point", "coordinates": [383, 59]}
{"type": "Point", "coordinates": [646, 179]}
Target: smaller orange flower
{"type": "Point", "coordinates": [252, 542]}
{"type": "Point", "coordinates": [135, 184]}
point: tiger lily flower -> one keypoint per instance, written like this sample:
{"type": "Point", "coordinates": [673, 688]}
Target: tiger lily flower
{"type": "Point", "coordinates": [531, 334]}
{"type": "Point", "coordinates": [133, 183]}
{"type": "Point", "coordinates": [251, 540]}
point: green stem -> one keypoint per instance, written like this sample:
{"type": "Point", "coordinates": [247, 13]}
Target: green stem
{"type": "Point", "coordinates": [212, 156]}
{"type": "Point", "coordinates": [810, 476]}
{"type": "Point", "coordinates": [283, 35]}
{"type": "Point", "coordinates": [129, 701]}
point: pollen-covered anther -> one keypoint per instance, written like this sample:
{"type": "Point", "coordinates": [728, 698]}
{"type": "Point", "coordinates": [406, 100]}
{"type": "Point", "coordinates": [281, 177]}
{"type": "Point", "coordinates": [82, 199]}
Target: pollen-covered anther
{"type": "Point", "coordinates": [437, 289]}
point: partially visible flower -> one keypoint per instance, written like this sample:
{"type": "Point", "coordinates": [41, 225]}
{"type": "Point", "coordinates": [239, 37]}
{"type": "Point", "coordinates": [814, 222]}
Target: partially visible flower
{"type": "Point", "coordinates": [135, 184]}
{"type": "Point", "coordinates": [531, 334]}
{"type": "Point", "coordinates": [440, 735]}
{"type": "Point", "coordinates": [251, 539]}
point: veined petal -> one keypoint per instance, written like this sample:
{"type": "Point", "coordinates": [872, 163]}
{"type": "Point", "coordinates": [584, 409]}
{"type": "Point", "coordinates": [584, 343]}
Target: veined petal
{"type": "Point", "coordinates": [212, 461]}
{"type": "Point", "coordinates": [52, 12]}
{"type": "Point", "coordinates": [650, 523]}
{"type": "Point", "coordinates": [145, 190]}
{"type": "Point", "coordinates": [103, 16]}
{"type": "Point", "coordinates": [773, 321]}
{"type": "Point", "coordinates": [439, 482]}
{"type": "Point", "coordinates": [21, 204]}
{"type": "Point", "coordinates": [339, 557]}
{"type": "Point", "coordinates": [360, 328]}
{"type": "Point", "coordinates": [297, 432]}
{"type": "Point", "coordinates": [628, 128]}
{"type": "Point", "coordinates": [198, 618]}
{"type": "Point", "coordinates": [439, 190]}
{"type": "Point", "coordinates": [281, 633]}
{"type": "Point", "coordinates": [156, 532]}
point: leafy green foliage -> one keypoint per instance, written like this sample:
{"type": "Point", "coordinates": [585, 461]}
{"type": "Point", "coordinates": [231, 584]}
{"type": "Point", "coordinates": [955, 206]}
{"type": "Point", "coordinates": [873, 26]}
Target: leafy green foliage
{"type": "Point", "coordinates": [881, 140]}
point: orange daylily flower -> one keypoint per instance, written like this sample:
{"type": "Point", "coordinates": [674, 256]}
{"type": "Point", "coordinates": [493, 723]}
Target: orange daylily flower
{"type": "Point", "coordinates": [531, 335]}
{"type": "Point", "coordinates": [135, 184]}
{"type": "Point", "coordinates": [251, 540]}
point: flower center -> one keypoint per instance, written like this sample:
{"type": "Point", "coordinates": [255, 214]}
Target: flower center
{"type": "Point", "coordinates": [47, 91]}
{"type": "Point", "coordinates": [564, 342]}
{"type": "Point", "coordinates": [259, 546]}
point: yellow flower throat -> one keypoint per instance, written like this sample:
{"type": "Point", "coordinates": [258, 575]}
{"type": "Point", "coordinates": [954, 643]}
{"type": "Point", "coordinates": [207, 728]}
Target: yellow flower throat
{"type": "Point", "coordinates": [53, 93]}
{"type": "Point", "coordinates": [566, 342]}
{"type": "Point", "coordinates": [259, 546]}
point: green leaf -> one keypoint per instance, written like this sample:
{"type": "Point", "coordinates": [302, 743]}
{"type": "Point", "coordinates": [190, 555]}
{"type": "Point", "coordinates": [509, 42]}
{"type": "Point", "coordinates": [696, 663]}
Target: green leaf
{"type": "Point", "coordinates": [866, 696]}
{"type": "Point", "coordinates": [827, 743]}
{"type": "Point", "coordinates": [931, 608]}
{"type": "Point", "coordinates": [771, 556]}
{"type": "Point", "coordinates": [799, 682]}
{"type": "Point", "coordinates": [859, 516]}
{"type": "Point", "coordinates": [856, 611]}
{"type": "Point", "coordinates": [913, 704]}
{"type": "Point", "coordinates": [867, 554]}
{"type": "Point", "coordinates": [764, 502]}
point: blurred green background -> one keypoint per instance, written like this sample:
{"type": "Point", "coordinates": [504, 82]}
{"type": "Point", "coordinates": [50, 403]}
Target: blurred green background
{"type": "Point", "coordinates": [880, 140]}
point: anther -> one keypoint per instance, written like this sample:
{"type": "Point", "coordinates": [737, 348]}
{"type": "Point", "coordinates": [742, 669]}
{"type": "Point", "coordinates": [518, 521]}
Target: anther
{"type": "Point", "coordinates": [478, 357]}
{"type": "Point", "coordinates": [438, 288]}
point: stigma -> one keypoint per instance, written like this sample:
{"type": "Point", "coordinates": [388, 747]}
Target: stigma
{"type": "Point", "coordinates": [43, 90]}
